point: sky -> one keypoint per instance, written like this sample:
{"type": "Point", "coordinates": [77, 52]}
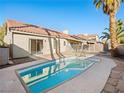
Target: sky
{"type": "Point", "coordinates": [76, 16]}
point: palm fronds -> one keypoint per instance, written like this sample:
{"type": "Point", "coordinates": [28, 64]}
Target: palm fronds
{"type": "Point", "coordinates": [3, 31]}
{"type": "Point", "coordinates": [119, 32]}
{"type": "Point", "coordinates": [108, 5]}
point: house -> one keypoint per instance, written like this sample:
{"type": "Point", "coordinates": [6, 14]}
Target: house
{"type": "Point", "coordinates": [27, 39]}
{"type": "Point", "coordinates": [91, 42]}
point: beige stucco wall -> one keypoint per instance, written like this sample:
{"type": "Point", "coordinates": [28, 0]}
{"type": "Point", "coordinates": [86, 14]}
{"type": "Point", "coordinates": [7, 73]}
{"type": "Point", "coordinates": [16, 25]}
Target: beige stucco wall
{"type": "Point", "coordinates": [74, 47]}
{"type": "Point", "coordinates": [4, 56]}
{"type": "Point", "coordinates": [21, 45]}
{"type": "Point", "coordinates": [63, 47]}
{"type": "Point", "coordinates": [8, 38]}
{"type": "Point", "coordinates": [99, 47]}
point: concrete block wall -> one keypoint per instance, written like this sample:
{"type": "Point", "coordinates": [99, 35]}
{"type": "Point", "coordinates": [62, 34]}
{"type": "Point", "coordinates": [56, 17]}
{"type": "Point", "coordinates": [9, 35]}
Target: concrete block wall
{"type": "Point", "coordinates": [4, 56]}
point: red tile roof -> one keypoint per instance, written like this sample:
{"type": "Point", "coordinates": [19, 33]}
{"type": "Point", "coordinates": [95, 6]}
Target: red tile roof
{"type": "Point", "coordinates": [88, 36]}
{"type": "Point", "coordinates": [29, 28]}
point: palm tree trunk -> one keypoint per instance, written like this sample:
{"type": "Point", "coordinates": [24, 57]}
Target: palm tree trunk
{"type": "Point", "coordinates": [113, 35]}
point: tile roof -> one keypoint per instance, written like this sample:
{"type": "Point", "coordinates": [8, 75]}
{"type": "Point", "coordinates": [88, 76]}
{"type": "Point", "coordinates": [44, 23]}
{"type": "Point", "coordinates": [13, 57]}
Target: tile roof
{"type": "Point", "coordinates": [88, 36]}
{"type": "Point", "coordinates": [29, 28]}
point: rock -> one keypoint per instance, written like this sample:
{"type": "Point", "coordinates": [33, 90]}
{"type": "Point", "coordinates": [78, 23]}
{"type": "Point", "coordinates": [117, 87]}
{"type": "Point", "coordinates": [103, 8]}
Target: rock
{"type": "Point", "coordinates": [103, 92]}
{"type": "Point", "coordinates": [120, 85]}
{"type": "Point", "coordinates": [112, 81]}
{"type": "Point", "coordinates": [122, 76]}
{"type": "Point", "coordinates": [115, 75]}
{"type": "Point", "coordinates": [121, 92]}
{"type": "Point", "coordinates": [119, 68]}
{"type": "Point", "coordinates": [109, 88]}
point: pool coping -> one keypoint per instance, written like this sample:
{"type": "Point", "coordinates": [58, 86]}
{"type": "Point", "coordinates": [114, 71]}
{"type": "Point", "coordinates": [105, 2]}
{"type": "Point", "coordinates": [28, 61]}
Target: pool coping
{"type": "Point", "coordinates": [22, 82]}
{"type": "Point", "coordinates": [27, 89]}
{"type": "Point", "coordinates": [10, 83]}
{"type": "Point", "coordinates": [93, 80]}
{"type": "Point", "coordinates": [43, 62]}
{"type": "Point", "coordinates": [69, 79]}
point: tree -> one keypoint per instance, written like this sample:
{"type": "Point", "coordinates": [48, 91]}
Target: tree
{"type": "Point", "coordinates": [105, 35]}
{"type": "Point", "coordinates": [110, 7]}
{"type": "Point", "coordinates": [3, 31]}
{"type": "Point", "coordinates": [119, 32]}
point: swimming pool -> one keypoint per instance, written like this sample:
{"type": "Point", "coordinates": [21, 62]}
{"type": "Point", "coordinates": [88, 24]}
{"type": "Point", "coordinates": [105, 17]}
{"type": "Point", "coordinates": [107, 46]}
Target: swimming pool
{"type": "Point", "coordinates": [43, 77]}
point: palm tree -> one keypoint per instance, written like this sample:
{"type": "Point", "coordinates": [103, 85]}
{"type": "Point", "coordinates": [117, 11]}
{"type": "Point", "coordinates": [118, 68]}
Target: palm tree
{"type": "Point", "coordinates": [119, 32]}
{"type": "Point", "coordinates": [110, 7]}
{"type": "Point", "coordinates": [105, 36]}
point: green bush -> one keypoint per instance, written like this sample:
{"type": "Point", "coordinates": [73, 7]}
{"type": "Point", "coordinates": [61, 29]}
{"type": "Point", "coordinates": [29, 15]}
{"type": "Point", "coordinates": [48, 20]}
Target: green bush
{"type": "Point", "coordinates": [3, 31]}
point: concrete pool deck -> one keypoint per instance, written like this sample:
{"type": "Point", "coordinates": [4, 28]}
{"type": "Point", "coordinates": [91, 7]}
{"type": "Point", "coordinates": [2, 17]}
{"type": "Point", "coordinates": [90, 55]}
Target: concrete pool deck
{"type": "Point", "coordinates": [91, 81]}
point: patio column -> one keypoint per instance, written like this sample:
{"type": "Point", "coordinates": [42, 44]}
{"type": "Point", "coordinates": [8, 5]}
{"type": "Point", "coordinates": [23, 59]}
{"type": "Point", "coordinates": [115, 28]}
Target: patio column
{"type": "Point", "coordinates": [89, 47]}
{"type": "Point", "coordinates": [36, 46]}
{"type": "Point", "coordinates": [94, 47]}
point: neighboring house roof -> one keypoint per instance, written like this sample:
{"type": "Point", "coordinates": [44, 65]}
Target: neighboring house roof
{"type": "Point", "coordinates": [89, 37]}
{"type": "Point", "coordinates": [29, 28]}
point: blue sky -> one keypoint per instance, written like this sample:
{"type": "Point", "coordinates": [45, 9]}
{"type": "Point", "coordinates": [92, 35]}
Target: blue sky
{"type": "Point", "coordinates": [77, 16]}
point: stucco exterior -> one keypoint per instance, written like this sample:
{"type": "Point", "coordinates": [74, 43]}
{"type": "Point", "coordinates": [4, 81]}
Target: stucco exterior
{"type": "Point", "coordinates": [26, 40]}
{"type": "Point", "coordinates": [21, 45]}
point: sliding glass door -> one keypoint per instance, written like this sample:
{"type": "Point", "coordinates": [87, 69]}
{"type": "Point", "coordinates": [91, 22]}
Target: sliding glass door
{"type": "Point", "coordinates": [33, 46]}
{"type": "Point", "coordinates": [39, 46]}
{"type": "Point", "coordinates": [36, 46]}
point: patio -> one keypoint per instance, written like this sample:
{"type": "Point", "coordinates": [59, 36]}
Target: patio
{"type": "Point", "coordinates": [93, 79]}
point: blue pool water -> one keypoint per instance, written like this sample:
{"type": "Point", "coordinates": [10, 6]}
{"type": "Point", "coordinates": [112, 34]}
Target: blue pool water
{"type": "Point", "coordinates": [45, 76]}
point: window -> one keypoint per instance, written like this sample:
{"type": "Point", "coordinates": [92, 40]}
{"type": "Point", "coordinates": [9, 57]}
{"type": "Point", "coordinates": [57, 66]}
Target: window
{"type": "Point", "coordinates": [33, 46]}
{"type": "Point", "coordinates": [39, 46]}
{"type": "Point", "coordinates": [55, 43]}
{"type": "Point", "coordinates": [64, 43]}
{"type": "Point", "coordinates": [36, 46]}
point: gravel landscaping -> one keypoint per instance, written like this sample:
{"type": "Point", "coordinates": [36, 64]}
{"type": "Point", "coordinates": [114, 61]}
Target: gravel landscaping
{"type": "Point", "coordinates": [115, 82]}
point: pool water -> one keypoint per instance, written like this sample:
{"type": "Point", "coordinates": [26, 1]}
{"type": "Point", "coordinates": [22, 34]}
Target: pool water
{"type": "Point", "coordinates": [42, 77]}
